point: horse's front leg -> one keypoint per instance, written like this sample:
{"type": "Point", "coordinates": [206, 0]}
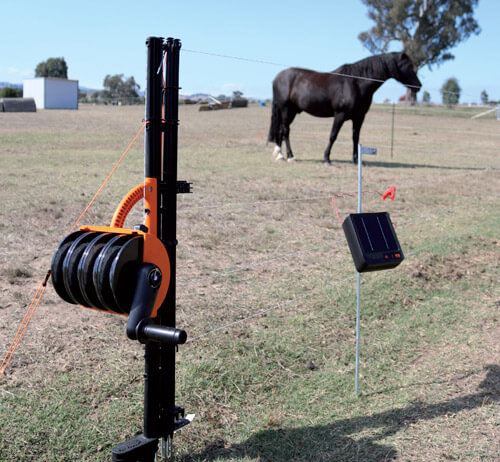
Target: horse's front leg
{"type": "Point", "coordinates": [286, 135]}
{"type": "Point", "coordinates": [356, 130]}
{"type": "Point", "coordinates": [277, 148]}
{"type": "Point", "coordinates": [337, 125]}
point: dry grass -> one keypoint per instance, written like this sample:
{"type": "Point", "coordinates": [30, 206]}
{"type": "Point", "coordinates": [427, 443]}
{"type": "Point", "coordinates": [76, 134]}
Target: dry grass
{"type": "Point", "coordinates": [257, 235]}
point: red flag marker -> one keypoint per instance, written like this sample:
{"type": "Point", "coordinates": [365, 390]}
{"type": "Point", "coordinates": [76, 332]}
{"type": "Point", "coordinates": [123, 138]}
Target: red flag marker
{"type": "Point", "coordinates": [390, 192]}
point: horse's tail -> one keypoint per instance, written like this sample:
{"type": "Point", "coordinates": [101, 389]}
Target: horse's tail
{"type": "Point", "coordinates": [274, 129]}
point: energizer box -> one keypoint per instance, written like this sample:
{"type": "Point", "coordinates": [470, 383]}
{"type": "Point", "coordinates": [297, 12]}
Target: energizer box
{"type": "Point", "coordinates": [373, 242]}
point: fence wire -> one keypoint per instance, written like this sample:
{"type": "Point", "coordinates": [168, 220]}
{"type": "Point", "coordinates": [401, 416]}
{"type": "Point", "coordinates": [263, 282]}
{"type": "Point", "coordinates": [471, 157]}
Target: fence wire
{"type": "Point", "coordinates": [338, 282]}
{"type": "Point", "coordinates": [284, 66]}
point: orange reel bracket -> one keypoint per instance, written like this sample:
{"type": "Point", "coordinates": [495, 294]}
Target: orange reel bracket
{"type": "Point", "coordinates": [153, 249]}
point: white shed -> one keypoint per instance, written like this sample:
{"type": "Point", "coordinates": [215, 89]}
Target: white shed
{"type": "Point", "coordinates": [52, 93]}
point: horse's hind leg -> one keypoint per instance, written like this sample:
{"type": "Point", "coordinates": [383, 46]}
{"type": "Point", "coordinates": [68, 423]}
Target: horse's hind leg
{"type": "Point", "coordinates": [337, 125]}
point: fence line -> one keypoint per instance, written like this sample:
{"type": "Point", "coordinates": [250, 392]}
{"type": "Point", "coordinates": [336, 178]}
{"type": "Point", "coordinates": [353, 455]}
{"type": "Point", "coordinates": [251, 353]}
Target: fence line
{"type": "Point", "coordinates": [272, 308]}
{"type": "Point", "coordinates": [329, 196]}
{"type": "Point", "coordinates": [329, 286]}
{"type": "Point", "coordinates": [281, 65]}
{"type": "Point", "coordinates": [260, 61]}
{"type": "Point", "coordinates": [380, 146]}
{"type": "Point", "coordinates": [220, 274]}
{"type": "Point", "coordinates": [432, 109]}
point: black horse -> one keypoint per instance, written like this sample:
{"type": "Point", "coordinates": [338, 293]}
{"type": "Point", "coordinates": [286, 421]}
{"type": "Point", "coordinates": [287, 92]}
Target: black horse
{"type": "Point", "coordinates": [345, 93]}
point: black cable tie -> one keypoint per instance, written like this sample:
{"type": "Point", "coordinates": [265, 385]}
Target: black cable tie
{"type": "Point", "coordinates": [46, 279]}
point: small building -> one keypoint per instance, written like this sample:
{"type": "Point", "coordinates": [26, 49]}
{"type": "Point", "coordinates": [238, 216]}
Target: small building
{"type": "Point", "coordinates": [52, 93]}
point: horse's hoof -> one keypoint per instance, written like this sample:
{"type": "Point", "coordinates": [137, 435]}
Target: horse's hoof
{"type": "Point", "coordinates": [327, 163]}
{"type": "Point", "coordinates": [280, 157]}
{"type": "Point", "coordinates": [292, 159]}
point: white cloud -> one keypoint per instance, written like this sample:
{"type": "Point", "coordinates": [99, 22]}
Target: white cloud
{"type": "Point", "coordinates": [228, 88]}
{"type": "Point", "coordinates": [15, 74]}
{"type": "Point", "coordinates": [231, 86]}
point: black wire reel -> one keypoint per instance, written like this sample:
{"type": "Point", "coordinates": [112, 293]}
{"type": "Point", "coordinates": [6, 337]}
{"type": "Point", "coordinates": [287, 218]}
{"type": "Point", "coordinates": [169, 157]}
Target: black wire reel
{"type": "Point", "coordinates": [116, 270]}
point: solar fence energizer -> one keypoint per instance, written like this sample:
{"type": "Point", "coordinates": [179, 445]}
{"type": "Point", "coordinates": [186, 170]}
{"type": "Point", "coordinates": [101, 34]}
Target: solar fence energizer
{"type": "Point", "coordinates": [131, 272]}
{"type": "Point", "coordinates": [372, 241]}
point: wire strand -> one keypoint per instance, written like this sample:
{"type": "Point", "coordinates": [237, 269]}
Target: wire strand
{"type": "Point", "coordinates": [329, 286]}
{"type": "Point", "coordinates": [277, 201]}
{"type": "Point", "coordinates": [220, 274]}
{"type": "Point", "coordinates": [260, 61]}
{"type": "Point", "coordinates": [268, 310]}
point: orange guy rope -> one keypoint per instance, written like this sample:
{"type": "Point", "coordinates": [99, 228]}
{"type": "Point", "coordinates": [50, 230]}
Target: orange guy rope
{"type": "Point", "coordinates": [108, 178]}
{"type": "Point", "coordinates": [24, 324]}
{"type": "Point", "coordinates": [43, 286]}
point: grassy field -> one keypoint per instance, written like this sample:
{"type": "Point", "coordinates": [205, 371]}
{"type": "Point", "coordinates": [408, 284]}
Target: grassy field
{"type": "Point", "coordinates": [261, 237]}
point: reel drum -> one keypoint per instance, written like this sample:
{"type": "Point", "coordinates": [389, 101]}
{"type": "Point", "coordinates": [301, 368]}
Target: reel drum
{"type": "Point", "coordinates": [97, 267]}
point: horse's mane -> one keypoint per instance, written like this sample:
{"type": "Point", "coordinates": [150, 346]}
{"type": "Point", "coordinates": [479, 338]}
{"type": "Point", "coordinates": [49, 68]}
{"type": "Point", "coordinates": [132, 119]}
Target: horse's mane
{"type": "Point", "coordinates": [373, 66]}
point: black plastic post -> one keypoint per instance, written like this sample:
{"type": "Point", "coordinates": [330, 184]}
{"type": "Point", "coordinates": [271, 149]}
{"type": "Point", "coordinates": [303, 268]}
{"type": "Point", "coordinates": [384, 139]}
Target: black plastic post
{"type": "Point", "coordinates": [152, 169]}
{"type": "Point", "coordinates": [167, 227]}
{"type": "Point", "coordinates": [160, 412]}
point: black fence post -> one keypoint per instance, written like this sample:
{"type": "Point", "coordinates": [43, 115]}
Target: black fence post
{"type": "Point", "coordinates": [167, 230]}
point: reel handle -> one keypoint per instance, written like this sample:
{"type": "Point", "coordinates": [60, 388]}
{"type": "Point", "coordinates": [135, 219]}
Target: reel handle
{"type": "Point", "coordinates": [140, 326]}
{"type": "Point", "coordinates": [153, 332]}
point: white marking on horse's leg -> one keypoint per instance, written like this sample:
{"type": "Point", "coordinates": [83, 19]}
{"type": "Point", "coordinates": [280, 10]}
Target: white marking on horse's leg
{"type": "Point", "coordinates": [277, 152]}
{"type": "Point", "coordinates": [292, 159]}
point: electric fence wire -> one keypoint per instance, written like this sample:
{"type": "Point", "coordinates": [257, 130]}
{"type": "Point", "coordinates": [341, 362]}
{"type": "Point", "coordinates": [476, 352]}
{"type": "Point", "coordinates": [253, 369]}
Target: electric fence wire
{"type": "Point", "coordinates": [303, 137]}
{"type": "Point", "coordinates": [272, 308]}
{"type": "Point", "coordinates": [334, 284]}
{"type": "Point", "coordinates": [416, 219]}
{"type": "Point", "coordinates": [284, 66]}
{"type": "Point", "coordinates": [321, 197]}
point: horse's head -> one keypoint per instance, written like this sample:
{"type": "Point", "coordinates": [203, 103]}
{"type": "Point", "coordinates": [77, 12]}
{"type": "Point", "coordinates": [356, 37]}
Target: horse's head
{"type": "Point", "coordinates": [402, 69]}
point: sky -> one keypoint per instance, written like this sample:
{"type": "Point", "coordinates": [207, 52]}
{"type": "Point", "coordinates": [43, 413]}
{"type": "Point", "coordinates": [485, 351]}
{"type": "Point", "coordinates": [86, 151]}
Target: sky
{"type": "Point", "coordinates": [226, 45]}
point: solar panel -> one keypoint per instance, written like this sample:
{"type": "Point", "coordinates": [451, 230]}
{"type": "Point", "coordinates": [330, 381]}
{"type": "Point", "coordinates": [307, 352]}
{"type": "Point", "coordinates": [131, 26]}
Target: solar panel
{"type": "Point", "coordinates": [372, 241]}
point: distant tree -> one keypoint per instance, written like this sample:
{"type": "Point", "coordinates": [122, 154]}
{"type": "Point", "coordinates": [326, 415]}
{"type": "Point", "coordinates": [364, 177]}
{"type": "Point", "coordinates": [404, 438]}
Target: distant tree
{"type": "Point", "coordinates": [237, 100]}
{"type": "Point", "coordinates": [426, 29]}
{"type": "Point", "coordinates": [450, 92]}
{"type": "Point", "coordinates": [118, 89]}
{"type": "Point", "coordinates": [8, 92]}
{"type": "Point", "coordinates": [82, 96]}
{"type": "Point", "coordinates": [426, 97]}
{"type": "Point", "coordinates": [53, 67]}
{"type": "Point", "coordinates": [484, 97]}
